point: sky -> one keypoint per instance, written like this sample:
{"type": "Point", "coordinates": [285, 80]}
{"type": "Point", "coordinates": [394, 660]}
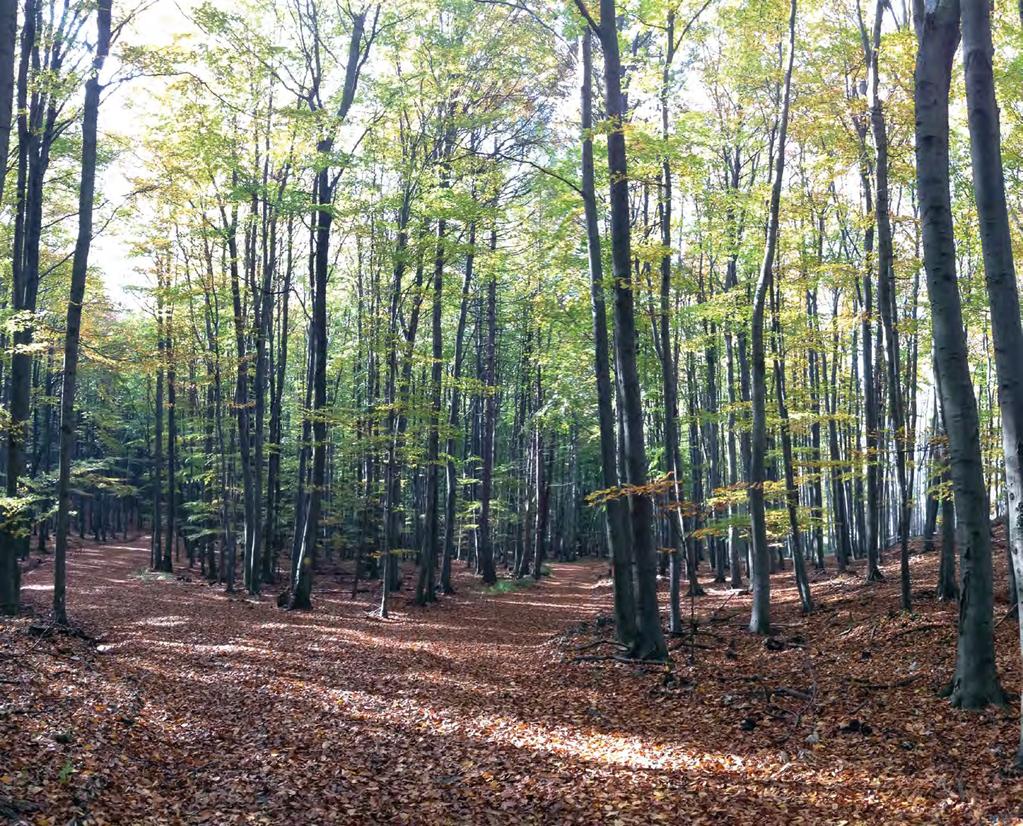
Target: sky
{"type": "Point", "coordinates": [122, 119]}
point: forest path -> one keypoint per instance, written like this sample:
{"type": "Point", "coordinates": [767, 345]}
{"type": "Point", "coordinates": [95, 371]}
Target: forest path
{"type": "Point", "coordinates": [200, 708]}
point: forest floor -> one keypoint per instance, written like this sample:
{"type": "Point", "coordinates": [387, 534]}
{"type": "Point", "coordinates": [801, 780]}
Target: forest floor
{"type": "Point", "coordinates": [190, 706]}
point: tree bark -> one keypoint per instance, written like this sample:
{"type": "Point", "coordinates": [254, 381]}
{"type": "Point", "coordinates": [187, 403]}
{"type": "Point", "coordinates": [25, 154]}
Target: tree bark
{"type": "Point", "coordinates": [975, 683]}
{"type": "Point", "coordinates": [999, 270]}
{"type": "Point", "coordinates": [72, 335]}
{"type": "Point", "coordinates": [615, 525]}
{"type": "Point", "coordinates": [760, 576]}
{"type": "Point", "coordinates": [650, 642]}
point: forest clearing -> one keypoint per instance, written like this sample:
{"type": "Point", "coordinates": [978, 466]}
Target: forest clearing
{"type": "Point", "coordinates": [199, 708]}
{"type": "Point", "coordinates": [511, 411]}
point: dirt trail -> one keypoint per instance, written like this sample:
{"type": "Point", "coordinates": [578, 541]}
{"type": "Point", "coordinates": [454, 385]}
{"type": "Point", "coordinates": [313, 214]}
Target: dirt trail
{"type": "Point", "coordinates": [199, 708]}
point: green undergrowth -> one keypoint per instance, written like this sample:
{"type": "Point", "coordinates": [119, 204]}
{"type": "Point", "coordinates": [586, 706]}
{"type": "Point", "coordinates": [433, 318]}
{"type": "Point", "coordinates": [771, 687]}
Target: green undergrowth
{"type": "Point", "coordinates": [509, 585]}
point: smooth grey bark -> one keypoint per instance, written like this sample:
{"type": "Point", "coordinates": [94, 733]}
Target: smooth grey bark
{"type": "Point", "coordinates": [241, 395]}
{"type": "Point", "coordinates": [840, 502]}
{"type": "Point", "coordinates": [172, 433]}
{"type": "Point", "coordinates": [736, 548]}
{"type": "Point", "coordinates": [485, 552]}
{"type": "Point", "coordinates": [32, 153]}
{"type": "Point", "coordinates": [451, 481]}
{"type": "Point", "coordinates": [392, 484]}
{"type": "Point", "coordinates": [650, 642]}
{"type": "Point", "coordinates": [669, 370]}
{"type": "Point", "coordinates": [615, 526]}
{"type": "Point", "coordinates": [325, 187]}
{"type": "Point", "coordinates": [869, 515]}
{"type": "Point", "coordinates": [816, 388]}
{"type": "Point", "coordinates": [8, 40]}
{"type": "Point", "coordinates": [425, 584]}
{"type": "Point", "coordinates": [791, 489]}
{"type": "Point", "coordinates": [975, 683]}
{"type": "Point", "coordinates": [76, 297]}
{"type": "Point", "coordinates": [886, 298]}
{"type": "Point", "coordinates": [999, 268]}
{"type": "Point", "coordinates": [760, 575]}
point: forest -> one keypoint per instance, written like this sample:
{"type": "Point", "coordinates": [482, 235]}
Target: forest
{"type": "Point", "coordinates": [511, 411]}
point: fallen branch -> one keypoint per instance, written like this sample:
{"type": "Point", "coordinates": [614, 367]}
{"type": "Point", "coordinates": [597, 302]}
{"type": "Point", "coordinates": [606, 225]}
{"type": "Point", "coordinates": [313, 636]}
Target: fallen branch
{"type": "Point", "coordinates": [602, 641]}
{"type": "Point", "coordinates": [791, 692]}
{"type": "Point", "coordinates": [1012, 610]}
{"type": "Point", "coordinates": [930, 626]}
{"type": "Point", "coordinates": [692, 644]}
{"type": "Point", "coordinates": [596, 658]}
{"type": "Point", "coordinates": [886, 686]}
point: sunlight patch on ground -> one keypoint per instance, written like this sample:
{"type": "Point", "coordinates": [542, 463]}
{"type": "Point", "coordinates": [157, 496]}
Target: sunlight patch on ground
{"type": "Point", "coordinates": [163, 622]}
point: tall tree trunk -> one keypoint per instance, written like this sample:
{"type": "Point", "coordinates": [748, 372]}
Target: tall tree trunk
{"type": "Point", "coordinates": [760, 576]}
{"type": "Point", "coordinates": [886, 298]}
{"type": "Point", "coordinates": [456, 400]}
{"type": "Point", "coordinates": [975, 683]}
{"type": "Point", "coordinates": [650, 642]}
{"type": "Point", "coordinates": [79, 269]}
{"type": "Point", "coordinates": [302, 578]}
{"type": "Point", "coordinates": [425, 585]}
{"type": "Point", "coordinates": [14, 527]}
{"type": "Point", "coordinates": [485, 553]}
{"type": "Point", "coordinates": [302, 581]}
{"type": "Point", "coordinates": [615, 525]}
{"type": "Point", "coordinates": [791, 489]}
{"type": "Point", "coordinates": [999, 270]}
{"type": "Point", "coordinates": [172, 432]}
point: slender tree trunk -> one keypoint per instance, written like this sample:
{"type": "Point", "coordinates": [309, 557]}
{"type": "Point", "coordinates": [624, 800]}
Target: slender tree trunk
{"type": "Point", "coordinates": [485, 554]}
{"type": "Point", "coordinates": [615, 525]}
{"type": "Point", "coordinates": [760, 576]}
{"type": "Point", "coordinates": [791, 490]}
{"type": "Point", "coordinates": [302, 578]}
{"type": "Point", "coordinates": [425, 585]}
{"type": "Point", "coordinates": [886, 300]}
{"type": "Point", "coordinates": [456, 401]}
{"type": "Point", "coordinates": [79, 269]}
{"type": "Point", "coordinates": [172, 433]}
{"type": "Point", "coordinates": [650, 638]}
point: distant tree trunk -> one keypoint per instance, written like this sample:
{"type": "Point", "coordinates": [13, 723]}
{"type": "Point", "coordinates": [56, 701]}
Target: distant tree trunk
{"type": "Point", "coordinates": [669, 370]}
{"type": "Point", "coordinates": [736, 548]}
{"type": "Point", "coordinates": [760, 576]}
{"type": "Point", "coordinates": [976, 680]}
{"type": "Point", "coordinates": [947, 588]}
{"type": "Point", "coordinates": [425, 585]}
{"type": "Point", "coordinates": [485, 553]}
{"type": "Point", "coordinates": [544, 454]}
{"type": "Point", "coordinates": [302, 579]}
{"type": "Point", "coordinates": [931, 503]}
{"type": "Point", "coordinates": [451, 480]}
{"type": "Point", "coordinates": [999, 270]}
{"type": "Point", "coordinates": [791, 490]}
{"type": "Point", "coordinates": [157, 464]}
{"type": "Point", "coordinates": [816, 389]}
{"type": "Point", "coordinates": [391, 475]}
{"type": "Point", "coordinates": [241, 397]}
{"type": "Point", "coordinates": [272, 528]}
{"type": "Point", "coordinates": [840, 503]}
{"type": "Point", "coordinates": [886, 300]}
{"type": "Point", "coordinates": [172, 433]}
